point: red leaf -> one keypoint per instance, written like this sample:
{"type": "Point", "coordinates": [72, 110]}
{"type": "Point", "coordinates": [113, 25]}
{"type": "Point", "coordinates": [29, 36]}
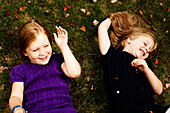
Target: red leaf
{"type": "Point", "coordinates": [147, 21]}
{"type": "Point", "coordinates": [67, 7]}
{"type": "Point", "coordinates": [16, 16]}
{"type": "Point", "coordinates": [157, 61]}
{"type": "Point", "coordinates": [8, 12]}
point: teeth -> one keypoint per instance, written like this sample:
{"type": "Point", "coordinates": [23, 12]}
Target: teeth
{"type": "Point", "coordinates": [143, 52]}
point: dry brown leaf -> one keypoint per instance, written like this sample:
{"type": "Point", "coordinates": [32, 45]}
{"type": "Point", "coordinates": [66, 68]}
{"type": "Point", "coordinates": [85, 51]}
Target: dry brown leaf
{"type": "Point", "coordinates": [113, 1]}
{"type": "Point", "coordinates": [83, 10]}
{"type": "Point", "coordinates": [95, 22]}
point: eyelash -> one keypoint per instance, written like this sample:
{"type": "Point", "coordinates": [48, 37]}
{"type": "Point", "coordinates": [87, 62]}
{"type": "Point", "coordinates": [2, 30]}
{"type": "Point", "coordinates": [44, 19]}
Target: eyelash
{"type": "Point", "coordinates": [35, 50]}
{"type": "Point", "coordinates": [145, 44]}
{"type": "Point", "coordinates": [46, 46]}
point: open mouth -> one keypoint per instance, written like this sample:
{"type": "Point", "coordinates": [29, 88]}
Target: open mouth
{"type": "Point", "coordinates": [143, 53]}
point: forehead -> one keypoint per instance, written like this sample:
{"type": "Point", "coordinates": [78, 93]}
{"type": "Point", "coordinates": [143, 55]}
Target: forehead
{"type": "Point", "coordinates": [148, 39]}
{"type": "Point", "coordinates": [39, 40]}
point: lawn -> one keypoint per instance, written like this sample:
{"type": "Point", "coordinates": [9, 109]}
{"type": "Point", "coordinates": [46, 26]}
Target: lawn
{"type": "Point", "coordinates": [77, 17]}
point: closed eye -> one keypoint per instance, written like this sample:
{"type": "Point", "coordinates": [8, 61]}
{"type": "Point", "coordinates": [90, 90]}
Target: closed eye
{"type": "Point", "coordinates": [145, 44]}
{"type": "Point", "coordinates": [35, 50]}
{"type": "Point", "coordinates": [46, 45]}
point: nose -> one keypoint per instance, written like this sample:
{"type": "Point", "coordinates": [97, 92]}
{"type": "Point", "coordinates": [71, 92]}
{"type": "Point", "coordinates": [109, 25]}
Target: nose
{"type": "Point", "coordinates": [42, 52]}
{"type": "Point", "coordinates": [147, 49]}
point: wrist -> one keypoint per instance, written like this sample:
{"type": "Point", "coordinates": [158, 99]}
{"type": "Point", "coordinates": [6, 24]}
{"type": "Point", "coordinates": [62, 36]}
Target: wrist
{"type": "Point", "coordinates": [64, 48]}
{"type": "Point", "coordinates": [147, 71]}
{"type": "Point", "coordinates": [17, 109]}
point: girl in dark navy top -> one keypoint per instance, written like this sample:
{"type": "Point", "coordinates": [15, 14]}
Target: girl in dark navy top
{"type": "Point", "coordinates": [129, 79]}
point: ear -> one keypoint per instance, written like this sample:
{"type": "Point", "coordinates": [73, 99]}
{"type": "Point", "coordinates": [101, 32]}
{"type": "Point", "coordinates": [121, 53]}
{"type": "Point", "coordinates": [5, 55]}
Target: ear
{"type": "Point", "coordinates": [129, 40]}
{"type": "Point", "coordinates": [25, 54]}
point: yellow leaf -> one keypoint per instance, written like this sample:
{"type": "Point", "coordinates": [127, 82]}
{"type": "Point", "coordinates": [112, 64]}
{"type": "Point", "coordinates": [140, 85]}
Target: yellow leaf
{"type": "Point", "coordinates": [29, 1]}
{"type": "Point", "coordinates": [140, 12]}
{"type": "Point", "coordinates": [83, 28]}
{"type": "Point", "coordinates": [164, 19]}
{"type": "Point", "coordinates": [22, 8]}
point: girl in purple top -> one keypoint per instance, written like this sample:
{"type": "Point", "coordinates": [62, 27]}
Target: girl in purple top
{"type": "Point", "coordinates": [41, 84]}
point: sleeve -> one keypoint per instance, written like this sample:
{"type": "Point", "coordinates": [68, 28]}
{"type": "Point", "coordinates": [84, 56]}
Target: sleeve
{"type": "Point", "coordinates": [58, 60]}
{"type": "Point", "coordinates": [110, 51]}
{"type": "Point", "coordinates": [18, 73]}
{"type": "Point", "coordinates": [150, 65]}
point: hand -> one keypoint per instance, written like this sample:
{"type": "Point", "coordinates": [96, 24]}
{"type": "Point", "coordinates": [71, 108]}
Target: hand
{"type": "Point", "coordinates": [62, 38]}
{"type": "Point", "coordinates": [140, 64]}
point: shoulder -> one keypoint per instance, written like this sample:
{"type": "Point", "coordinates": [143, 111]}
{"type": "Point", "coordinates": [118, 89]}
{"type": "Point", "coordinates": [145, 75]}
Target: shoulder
{"type": "Point", "coordinates": [57, 57]}
{"type": "Point", "coordinates": [18, 73]}
{"type": "Point", "coordinates": [19, 67]}
{"type": "Point", "coordinates": [110, 51]}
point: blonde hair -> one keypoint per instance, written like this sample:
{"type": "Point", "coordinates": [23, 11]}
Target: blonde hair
{"type": "Point", "coordinates": [27, 34]}
{"type": "Point", "coordinates": [126, 25]}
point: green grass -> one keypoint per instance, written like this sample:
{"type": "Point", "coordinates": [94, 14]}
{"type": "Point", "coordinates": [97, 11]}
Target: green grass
{"type": "Point", "coordinates": [87, 91]}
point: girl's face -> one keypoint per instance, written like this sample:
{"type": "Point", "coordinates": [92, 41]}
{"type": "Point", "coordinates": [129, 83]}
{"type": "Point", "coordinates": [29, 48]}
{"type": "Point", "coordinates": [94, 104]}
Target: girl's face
{"type": "Point", "coordinates": [140, 47]}
{"type": "Point", "coordinates": [39, 51]}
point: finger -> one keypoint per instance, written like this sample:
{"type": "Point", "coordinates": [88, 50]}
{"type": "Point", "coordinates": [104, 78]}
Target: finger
{"type": "Point", "coordinates": [58, 30]}
{"type": "Point", "coordinates": [55, 36]}
{"type": "Point", "coordinates": [62, 30]}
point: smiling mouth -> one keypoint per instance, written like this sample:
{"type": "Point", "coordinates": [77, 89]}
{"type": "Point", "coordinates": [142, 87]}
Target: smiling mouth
{"type": "Point", "coordinates": [44, 58]}
{"type": "Point", "coordinates": [143, 53]}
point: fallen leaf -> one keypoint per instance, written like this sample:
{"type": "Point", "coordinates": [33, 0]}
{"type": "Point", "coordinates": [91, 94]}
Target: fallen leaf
{"type": "Point", "coordinates": [67, 15]}
{"type": "Point", "coordinates": [164, 60]}
{"type": "Point", "coordinates": [95, 1]}
{"type": "Point", "coordinates": [151, 111]}
{"type": "Point", "coordinates": [67, 7]}
{"type": "Point", "coordinates": [87, 79]}
{"type": "Point", "coordinates": [164, 88]}
{"type": "Point", "coordinates": [2, 68]}
{"type": "Point", "coordinates": [167, 85]}
{"type": "Point", "coordinates": [22, 8]}
{"type": "Point", "coordinates": [16, 28]}
{"type": "Point", "coordinates": [148, 21]}
{"type": "Point", "coordinates": [57, 21]}
{"type": "Point", "coordinates": [151, 17]}
{"type": "Point", "coordinates": [29, 1]}
{"type": "Point", "coordinates": [83, 10]}
{"type": "Point", "coordinates": [88, 13]}
{"type": "Point", "coordinates": [16, 16]}
{"type": "Point", "coordinates": [113, 1]}
{"type": "Point", "coordinates": [2, 87]}
{"type": "Point", "coordinates": [140, 12]}
{"type": "Point", "coordinates": [83, 28]}
{"type": "Point", "coordinates": [92, 87]}
{"type": "Point", "coordinates": [0, 47]}
{"type": "Point", "coordinates": [164, 19]}
{"type": "Point", "coordinates": [95, 22]}
{"type": "Point", "coordinates": [157, 61]}
{"type": "Point", "coordinates": [168, 9]}
{"type": "Point", "coordinates": [8, 12]}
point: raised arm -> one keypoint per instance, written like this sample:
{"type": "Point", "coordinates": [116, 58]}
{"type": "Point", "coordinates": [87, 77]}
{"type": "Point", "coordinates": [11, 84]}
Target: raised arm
{"type": "Point", "coordinates": [16, 97]}
{"type": "Point", "coordinates": [104, 41]}
{"type": "Point", "coordinates": [70, 66]}
{"type": "Point", "coordinates": [155, 83]}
